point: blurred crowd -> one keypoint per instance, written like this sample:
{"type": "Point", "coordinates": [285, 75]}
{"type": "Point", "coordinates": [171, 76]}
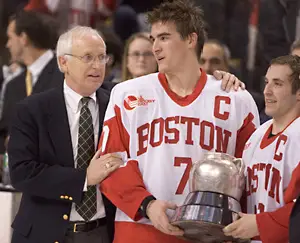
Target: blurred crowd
{"type": "Point", "coordinates": [242, 37]}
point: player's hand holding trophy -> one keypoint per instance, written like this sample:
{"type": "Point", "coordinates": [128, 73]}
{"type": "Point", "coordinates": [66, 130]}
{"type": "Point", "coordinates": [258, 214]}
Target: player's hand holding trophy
{"type": "Point", "coordinates": [216, 186]}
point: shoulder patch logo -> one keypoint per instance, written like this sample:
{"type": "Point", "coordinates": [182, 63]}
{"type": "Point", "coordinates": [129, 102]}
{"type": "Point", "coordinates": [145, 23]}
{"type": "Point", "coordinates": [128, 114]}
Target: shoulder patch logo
{"type": "Point", "coordinates": [131, 102]}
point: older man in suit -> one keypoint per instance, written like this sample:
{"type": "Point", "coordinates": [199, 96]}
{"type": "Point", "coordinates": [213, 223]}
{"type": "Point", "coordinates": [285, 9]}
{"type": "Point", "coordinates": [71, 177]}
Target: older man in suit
{"type": "Point", "coordinates": [31, 36]}
{"type": "Point", "coordinates": [53, 139]}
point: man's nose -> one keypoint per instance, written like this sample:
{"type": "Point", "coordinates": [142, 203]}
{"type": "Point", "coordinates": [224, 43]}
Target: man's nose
{"type": "Point", "coordinates": [267, 90]}
{"type": "Point", "coordinates": [96, 63]}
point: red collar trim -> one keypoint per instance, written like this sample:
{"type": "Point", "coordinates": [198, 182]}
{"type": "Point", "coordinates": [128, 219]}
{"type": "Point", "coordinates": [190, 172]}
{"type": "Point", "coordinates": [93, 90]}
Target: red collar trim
{"type": "Point", "coordinates": [183, 101]}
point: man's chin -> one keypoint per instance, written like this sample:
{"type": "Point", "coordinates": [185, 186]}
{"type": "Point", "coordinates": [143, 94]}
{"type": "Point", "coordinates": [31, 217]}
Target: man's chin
{"type": "Point", "coordinates": [162, 69]}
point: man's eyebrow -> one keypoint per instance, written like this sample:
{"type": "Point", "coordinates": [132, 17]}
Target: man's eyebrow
{"type": "Point", "coordinates": [159, 35]}
{"type": "Point", "coordinates": [273, 79]}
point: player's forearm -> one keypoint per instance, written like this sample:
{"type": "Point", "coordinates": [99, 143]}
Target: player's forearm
{"type": "Point", "coordinates": [126, 190]}
{"type": "Point", "coordinates": [278, 221]}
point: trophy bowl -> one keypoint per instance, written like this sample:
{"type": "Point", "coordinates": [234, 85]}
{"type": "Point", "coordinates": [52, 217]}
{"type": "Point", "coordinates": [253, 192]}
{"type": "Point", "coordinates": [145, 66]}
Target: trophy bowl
{"type": "Point", "coordinates": [216, 186]}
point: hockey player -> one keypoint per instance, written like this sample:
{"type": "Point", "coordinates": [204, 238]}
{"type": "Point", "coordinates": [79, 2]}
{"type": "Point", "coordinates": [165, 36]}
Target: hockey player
{"type": "Point", "coordinates": [272, 156]}
{"type": "Point", "coordinates": [163, 122]}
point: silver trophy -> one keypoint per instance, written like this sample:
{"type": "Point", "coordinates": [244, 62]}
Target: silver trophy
{"type": "Point", "coordinates": [216, 186]}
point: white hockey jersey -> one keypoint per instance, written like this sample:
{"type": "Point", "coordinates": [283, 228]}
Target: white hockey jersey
{"type": "Point", "coordinates": [270, 162]}
{"type": "Point", "coordinates": [160, 136]}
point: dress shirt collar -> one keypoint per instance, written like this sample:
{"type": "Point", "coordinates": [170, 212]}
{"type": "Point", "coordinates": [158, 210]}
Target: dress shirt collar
{"type": "Point", "coordinates": [73, 98]}
{"type": "Point", "coordinates": [38, 65]}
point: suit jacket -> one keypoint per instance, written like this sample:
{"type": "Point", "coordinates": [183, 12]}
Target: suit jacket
{"type": "Point", "coordinates": [42, 167]}
{"type": "Point", "coordinates": [50, 77]}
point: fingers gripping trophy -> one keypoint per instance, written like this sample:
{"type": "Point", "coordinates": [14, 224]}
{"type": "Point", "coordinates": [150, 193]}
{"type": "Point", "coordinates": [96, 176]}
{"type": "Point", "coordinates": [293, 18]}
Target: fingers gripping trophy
{"type": "Point", "coordinates": [216, 186]}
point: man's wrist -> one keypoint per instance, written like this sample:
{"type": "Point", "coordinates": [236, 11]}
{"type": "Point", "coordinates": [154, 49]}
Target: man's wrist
{"type": "Point", "coordinates": [145, 204]}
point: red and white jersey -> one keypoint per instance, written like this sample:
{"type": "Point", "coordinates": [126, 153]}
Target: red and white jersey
{"type": "Point", "coordinates": [270, 163]}
{"type": "Point", "coordinates": [160, 135]}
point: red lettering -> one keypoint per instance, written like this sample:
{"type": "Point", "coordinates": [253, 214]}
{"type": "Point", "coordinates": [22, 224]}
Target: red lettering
{"type": "Point", "coordinates": [177, 162]}
{"type": "Point", "coordinates": [222, 141]}
{"type": "Point", "coordinates": [267, 175]}
{"type": "Point", "coordinates": [189, 121]}
{"type": "Point", "coordinates": [254, 178]}
{"type": "Point", "coordinates": [175, 131]}
{"type": "Point", "coordinates": [210, 126]}
{"type": "Point", "coordinates": [260, 208]}
{"type": "Point", "coordinates": [280, 141]}
{"type": "Point", "coordinates": [143, 138]}
{"type": "Point", "coordinates": [253, 183]}
{"type": "Point", "coordinates": [223, 116]}
{"type": "Point", "coordinates": [171, 129]}
{"type": "Point", "coordinates": [275, 184]}
{"type": "Point", "coordinates": [160, 123]}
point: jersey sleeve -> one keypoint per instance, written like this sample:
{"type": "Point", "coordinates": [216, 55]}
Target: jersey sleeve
{"type": "Point", "coordinates": [124, 187]}
{"type": "Point", "coordinates": [274, 226]}
{"type": "Point", "coordinates": [249, 115]}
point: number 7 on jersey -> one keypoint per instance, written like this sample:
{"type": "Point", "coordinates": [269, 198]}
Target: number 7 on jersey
{"type": "Point", "coordinates": [178, 161]}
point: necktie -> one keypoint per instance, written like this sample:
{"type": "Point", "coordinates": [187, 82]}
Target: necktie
{"type": "Point", "coordinates": [85, 151]}
{"type": "Point", "coordinates": [28, 81]}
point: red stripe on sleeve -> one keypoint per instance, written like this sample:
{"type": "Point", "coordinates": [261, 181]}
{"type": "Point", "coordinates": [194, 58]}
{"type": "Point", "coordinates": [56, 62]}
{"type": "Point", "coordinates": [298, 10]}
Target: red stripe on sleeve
{"type": "Point", "coordinates": [124, 187]}
{"type": "Point", "coordinates": [243, 134]}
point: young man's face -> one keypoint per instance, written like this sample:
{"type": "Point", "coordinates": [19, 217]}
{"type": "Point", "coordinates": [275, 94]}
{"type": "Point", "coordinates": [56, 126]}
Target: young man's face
{"type": "Point", "coordinates": [278, 92]}
{"type": "Point", "coordinates": [169, 49]}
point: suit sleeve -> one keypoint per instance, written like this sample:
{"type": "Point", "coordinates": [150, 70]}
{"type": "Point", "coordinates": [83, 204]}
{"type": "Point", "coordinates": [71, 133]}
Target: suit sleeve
{"type": "Point", "coordinates": [278, 220]}
{"type": "Point", "coordinates": [125, 187]}
{"type": "Point", "coordinates": [250, 119]}
{"type": "Point", "coordinates": [28, 174]}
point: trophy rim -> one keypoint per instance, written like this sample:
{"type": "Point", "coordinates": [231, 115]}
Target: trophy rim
{"type": "Point", "coordinates": [212, 199]}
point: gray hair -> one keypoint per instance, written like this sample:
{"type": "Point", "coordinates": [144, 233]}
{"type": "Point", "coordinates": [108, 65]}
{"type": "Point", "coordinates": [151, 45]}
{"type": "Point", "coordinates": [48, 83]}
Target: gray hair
{"type": "Point", "coordinates": [65, 41]}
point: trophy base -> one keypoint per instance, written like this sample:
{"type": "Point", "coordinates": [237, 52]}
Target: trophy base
{"type": "Point", "coordinates": [204, 224]}
{"type": "Point", "coordinates": [204, 232]}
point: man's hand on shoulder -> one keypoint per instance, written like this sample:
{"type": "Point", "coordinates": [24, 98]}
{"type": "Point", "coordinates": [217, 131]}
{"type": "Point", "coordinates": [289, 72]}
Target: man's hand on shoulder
{"type": "Point", "coordinates": [229, 81]}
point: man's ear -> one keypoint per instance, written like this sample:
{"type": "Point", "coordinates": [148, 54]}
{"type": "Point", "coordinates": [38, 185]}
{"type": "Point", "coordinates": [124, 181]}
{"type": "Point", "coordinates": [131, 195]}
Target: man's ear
{"type": "Point", "coordinates": [24, 39]}
{"type": "Point", "coordinates": [298, 95]}
{"type": "Point", "coordinates": [63, 63]}
{"type": "Point", "coordinates": [111, 60]}
{"type": "Point", "coordinates": [192, 40]}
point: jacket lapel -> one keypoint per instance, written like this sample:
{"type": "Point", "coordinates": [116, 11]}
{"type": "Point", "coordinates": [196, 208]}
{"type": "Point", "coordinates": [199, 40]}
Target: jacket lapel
{"type": "Point", "coordinates": [102, 105]}
{"type": "Point", "coordinates": [59, 129]}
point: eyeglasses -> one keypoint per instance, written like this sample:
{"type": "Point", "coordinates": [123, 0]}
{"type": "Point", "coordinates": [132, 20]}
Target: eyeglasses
{"type": "Point", "coordinates": [137, 54]}
{"type": "Point", "coordinates": [89, 59]}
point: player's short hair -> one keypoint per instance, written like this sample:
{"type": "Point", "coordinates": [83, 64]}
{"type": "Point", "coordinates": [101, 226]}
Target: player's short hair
{"type": "Point", "coordinates": [295, 45]}
{"type": "Point", "coordinates": [294, 63]}
{"type": "Point", "coordinates": [187, 18]}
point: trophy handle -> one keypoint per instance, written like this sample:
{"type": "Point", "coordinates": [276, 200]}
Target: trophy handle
{"type": "Point", "coordinates": [239, 164]}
